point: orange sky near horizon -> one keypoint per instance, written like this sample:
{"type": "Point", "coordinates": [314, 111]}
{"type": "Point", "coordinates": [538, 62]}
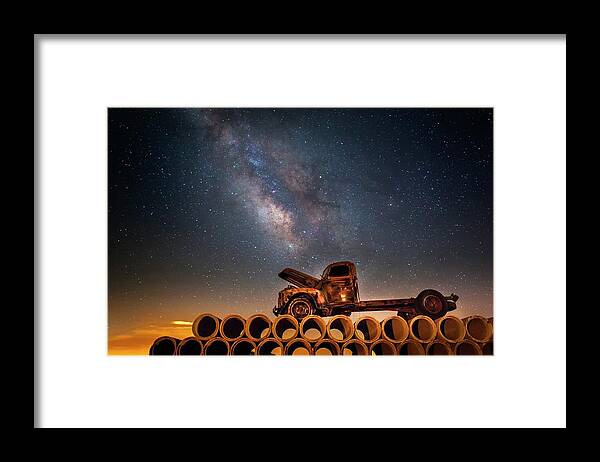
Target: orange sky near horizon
{"type": "Point", "coordinates": [137, 340]}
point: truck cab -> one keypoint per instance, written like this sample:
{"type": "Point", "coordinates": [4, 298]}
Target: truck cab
{"type": "Point", "coordinates": [339, 283]}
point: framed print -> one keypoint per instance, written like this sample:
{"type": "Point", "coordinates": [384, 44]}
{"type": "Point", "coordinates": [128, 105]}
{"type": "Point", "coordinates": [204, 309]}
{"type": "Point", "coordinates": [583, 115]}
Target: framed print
{"type": "Point", "coordinates": [396, 200]}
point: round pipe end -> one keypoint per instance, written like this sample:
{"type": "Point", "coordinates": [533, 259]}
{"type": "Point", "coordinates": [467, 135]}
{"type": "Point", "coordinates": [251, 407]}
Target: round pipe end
{"type": "Point", "coordinates": [258, 327]}
{"type": "Point", "coordinates": [232, 327]}
{"type": "Point", "coordinates": [313, 328]}
{"type": "Point", "coordinates": [355, 347]}
{"type": "Point", "coordinates": [382, 347]}
{"type": "Point", "coordinates": [298, 347]}
{"type": "Point", "coordinates": [411, 347]}
{"type": "Point", "coordinates": [285, 328]}
{"type": "Point", "coordinates": [326, 347]}
{"type": "Point", "coordinates": [422, 329]}
{"type": "Point", "coordinates": [477, 328]}
{"type": "Point", "coordinates": [340, 328]}
{"type": "Point", "coordinates": [164, 346]}
{"type": "Point", "coordinates": [467, 347]}
{"type": "Point", "coordinates": [395, 329]}
{"type": "Point", "coordinates": [190, 346]}
{"type": "Point", "coordinates": [450, 329]}
{"type": "Point", "coordinates": [270, 347]}
{"type": "Point", "coordinates": [206, 326]}
{"type": "Point", "coordinates": [367, 329]}
{"type": "Point", "coordinates": [243, 347]}
{"type": "Point", "coordinates": [217, 347]}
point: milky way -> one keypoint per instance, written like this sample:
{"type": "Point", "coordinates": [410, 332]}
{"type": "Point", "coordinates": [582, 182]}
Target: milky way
{"type": "Point", "coordinates": [206, 206]}
{"type": "Point", "coordinates": [273, 181]}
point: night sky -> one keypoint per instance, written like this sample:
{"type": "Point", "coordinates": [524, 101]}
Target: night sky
{"type": "Point", "coordinates": [206, 206]}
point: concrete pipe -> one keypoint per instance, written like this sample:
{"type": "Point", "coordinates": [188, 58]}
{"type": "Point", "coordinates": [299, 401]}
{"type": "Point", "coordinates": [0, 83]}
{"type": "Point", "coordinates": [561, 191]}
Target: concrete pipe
{"type": "Point", "coordinates": [367, 329]}
{"type": "Point", "coordinates": [190, 346]}
{"type": "Point", "coordinates": [243, 347]}
{"type": "Point", "coordinates": [326, 347]}
{"type": "Point", "coordinates": [422, 329]}
{"type": "Point", "coordinates": [340, 328]}
{"type": "Point", "coordinates": [232, 327]}
{"type": "Point", "coordinates": [491, 326]}
{"type": "Point", "coordinates": [487, 349]}
{"type": "Point", "coordinates": [270, 347]}
{"type": "Point", "coordinates": [395, 329]}
{"type": "Point", "coordinates": [298, 346]}
{"type": "Point", "coordinates": [313, 328]}
{"type": "Point", "coordinates": [411, 347]}
{"type": "Point", "coordinates": [285, 327]}
{"type": "Point", "coordinates": [355, 347]}
{"type": "Point", "coordinates": [382, 347]}
{"type": "Point", "coordinates": [164, 346]}
{"type": "Point", "coordinates": [206, 326]}
{"type": "Point", "coordinates": [438, 347]}
{"type": "Point", "coordinates": [450, 329]}
{"type": "Point", "coordinates": [467, 347]}
{"type": "Point", "coordinates": [478, 329]}
{"type": "Point", "coordinates": [258, 327]}
{"type": "Point", "coordinates": [217, 346]}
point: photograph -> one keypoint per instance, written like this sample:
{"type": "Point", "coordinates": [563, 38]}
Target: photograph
{"type": "Point", "coordinates": [300, 231]}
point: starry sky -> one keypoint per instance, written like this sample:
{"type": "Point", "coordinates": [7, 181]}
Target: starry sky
{"type": "Point", "coordinates": [206, 206]}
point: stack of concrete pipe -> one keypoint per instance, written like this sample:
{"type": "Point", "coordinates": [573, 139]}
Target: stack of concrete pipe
{"type": "Point", "coordinates": [337, 335]}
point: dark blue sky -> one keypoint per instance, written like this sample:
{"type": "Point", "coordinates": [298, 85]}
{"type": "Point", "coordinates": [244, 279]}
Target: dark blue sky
{"type": "Point", "coordinates": [207, 206]}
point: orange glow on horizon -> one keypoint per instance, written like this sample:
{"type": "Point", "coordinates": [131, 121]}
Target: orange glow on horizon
{"type": "Point", "coordinates": [137, 341]}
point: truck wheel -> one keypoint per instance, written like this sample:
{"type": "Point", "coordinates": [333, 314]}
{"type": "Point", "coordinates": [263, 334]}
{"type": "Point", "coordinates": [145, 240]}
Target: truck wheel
{"type": "Point", "coordinates": [431, 303]}
{"type": "Point", "coordinates": [300, 306]}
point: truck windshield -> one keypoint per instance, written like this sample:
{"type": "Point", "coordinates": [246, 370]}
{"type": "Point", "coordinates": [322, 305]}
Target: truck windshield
{"type": "Point", "coordinates": [338, 271]}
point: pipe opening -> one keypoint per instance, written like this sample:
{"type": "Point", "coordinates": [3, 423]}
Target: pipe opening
{"type": "Point", "coordinates": [436, 348]}
{"type": "Point", "coordinates": [190, 346]}
{"type": "Point", "coordinates": [298, 347]}
{"type": "Point", "coordinates": [164, 346]}
{"type": "Point", "coordinates": [270, 346]}
{"type": "Point", "coordinates": [243, 347]}
{"type": "Point", "coordinates": [232, 327]}
{"type": "Point", "coordinates": [394, 329]}
{"type": "Point", "coordinates": [312, 328]}
{"type": "Point", "coordinates": [488, 348]}
{"type": "Point", "coordinates": [205, 326]}
{"type": "Point", "coordinates": [258, 327]}
{"type": "Point", "coordinates": [467, 348]}
{"type": "Point", "coordinates": [340, 328]}
{"type": "Point", "coordinates": [327, 347]}
{"type": "Point", "coordinates": [478, 328]}
{"type": "Point", "coordinates": [383, 347]}
{"type": "Point", "coordinates": [355, 347]}
{"type": "Point", "coordinates": [367, 329]}
{"type": "Point", "coordinates": [285, 327]}
{"type": "Point", "coordinates": [452, 329]}
{"type": "Point", "coordinates": [410, 348]}
{"type": "Point", "coordinates": [423, 329]}
{"type": "Point", "coordinates": [216, 346]}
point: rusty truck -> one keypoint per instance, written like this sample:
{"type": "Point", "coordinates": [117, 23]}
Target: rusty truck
{"type": "Point", "coordinates": [336, 292]}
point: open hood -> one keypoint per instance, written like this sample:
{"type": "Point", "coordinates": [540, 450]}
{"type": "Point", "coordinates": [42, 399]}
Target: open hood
{"type": "Point", "coordinates": [298, 278]}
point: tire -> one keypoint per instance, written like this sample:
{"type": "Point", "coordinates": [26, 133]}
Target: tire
{"type": "Point", "coordinates": [431, 303]}
{"type": "Point", "coordinates": [300, 306]}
